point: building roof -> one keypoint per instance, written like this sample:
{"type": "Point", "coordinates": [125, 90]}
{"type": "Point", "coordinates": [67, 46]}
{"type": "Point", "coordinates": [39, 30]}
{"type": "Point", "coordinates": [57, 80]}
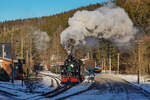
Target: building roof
{"type": "Point", "coordinates": [10, 60]}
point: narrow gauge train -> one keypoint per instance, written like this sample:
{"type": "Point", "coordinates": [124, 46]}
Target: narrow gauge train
{"type": "Point", "coordinates": [70, 71]}
{"type": "Point", "coordinates": [97, 69]}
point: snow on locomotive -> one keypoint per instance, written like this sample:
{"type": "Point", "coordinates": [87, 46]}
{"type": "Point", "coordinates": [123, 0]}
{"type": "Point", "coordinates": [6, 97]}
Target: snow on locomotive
{"type": "Point", "coordinates": [70, 71]}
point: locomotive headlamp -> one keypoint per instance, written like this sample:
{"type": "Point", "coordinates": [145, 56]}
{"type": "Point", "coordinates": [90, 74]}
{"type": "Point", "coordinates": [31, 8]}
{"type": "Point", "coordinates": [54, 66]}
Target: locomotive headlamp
{"type": "Point", "coordinates": [72, 65]}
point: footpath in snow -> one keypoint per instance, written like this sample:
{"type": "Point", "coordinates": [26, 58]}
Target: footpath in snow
{"type": "Point", "coordinates": [144, 81]}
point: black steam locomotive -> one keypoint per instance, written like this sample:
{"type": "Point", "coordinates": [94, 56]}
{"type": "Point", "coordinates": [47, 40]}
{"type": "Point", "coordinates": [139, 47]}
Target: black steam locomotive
{"type": "Point", "coordinates": [70, 71]}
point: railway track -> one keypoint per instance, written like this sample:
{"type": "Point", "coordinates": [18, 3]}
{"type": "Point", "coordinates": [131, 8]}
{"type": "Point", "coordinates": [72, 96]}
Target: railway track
{"type": "Point", "coordinates": [60, 89]}
{"type": "Point", "coordinates": [12, 89]}
{"type": "Point", "coordinates": [54, 77]}
{"type": "Point", "coordinates": [7, 93]}
{"type": "Point", "coordinates": [76, 93]}
{"type": "Point", "coordinates": [55, 92]}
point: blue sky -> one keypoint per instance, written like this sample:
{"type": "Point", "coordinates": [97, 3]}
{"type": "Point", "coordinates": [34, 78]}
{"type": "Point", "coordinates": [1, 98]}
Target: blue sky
{"type": "Point", "coordinates": [20, 9]}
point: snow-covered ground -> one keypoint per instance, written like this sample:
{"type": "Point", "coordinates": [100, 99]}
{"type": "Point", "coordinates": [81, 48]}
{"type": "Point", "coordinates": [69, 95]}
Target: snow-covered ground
{"type": "Point", "coordinates": [3, 97]}
{"type": "Point", "coordinates": [23, 92]}
{"type": "Point", "coordinates": [44, 85]}
{"type": "Point", "coordinates": [113, 88]}
{"type": "Point", "coordinates": [75, 89]}
{"type": "Point", "coordinates": [144, 81]}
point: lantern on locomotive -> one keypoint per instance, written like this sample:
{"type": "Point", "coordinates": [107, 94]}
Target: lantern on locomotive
{"type": "Point", "coordinates": [70, 71]}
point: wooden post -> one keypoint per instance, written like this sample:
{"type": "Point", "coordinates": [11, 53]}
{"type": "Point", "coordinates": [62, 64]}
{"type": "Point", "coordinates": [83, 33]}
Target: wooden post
{"type": "Point", "coordinates": [139, 43]}
{"type": "Point", "coordinates": [27, 63]}
{"type": "Point", "coordinates": [118, 57]}
{"type": "Point", "coordinates": [138, 63]}
{"type": "Point", "coordinates": [30, 52]}
{"type": "Point", "coordinates": [95, 63]}
{"type": "Point", "coordinates": [88, 55]}
{"type": "Point", "coordinates": [109, 58]}
{"type": "Point", "coordinates": [49, 56]}
{"type": "Point", "coordinates": [12, 55]}
{"type": "Point", "coordinates": [52, 83]}
{"type": "Point", "coordinates": [21, 47]}
{"type": "Point", "coordinates": [104, 65]}
{"type": "Point", "coordinates": [57, 59]}
{"type": "Point", "coordinates": [110, 64]}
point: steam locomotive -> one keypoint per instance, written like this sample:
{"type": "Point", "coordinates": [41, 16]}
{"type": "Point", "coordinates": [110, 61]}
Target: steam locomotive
{"type": "Point", "coordinates": [70, 71]}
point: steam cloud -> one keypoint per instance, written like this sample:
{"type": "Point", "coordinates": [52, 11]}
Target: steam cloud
{"type": "Point", "coordinates": [109, 22]}
{"type": "Point", "coordinates": [41, 40]}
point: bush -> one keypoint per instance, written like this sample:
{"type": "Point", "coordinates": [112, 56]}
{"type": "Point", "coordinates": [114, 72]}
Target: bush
{"type": "Point", "coordinates": [3, 75]}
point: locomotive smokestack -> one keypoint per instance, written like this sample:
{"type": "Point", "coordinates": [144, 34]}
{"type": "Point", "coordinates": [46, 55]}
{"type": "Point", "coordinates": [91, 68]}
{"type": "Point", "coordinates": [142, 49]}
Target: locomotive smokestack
{"type": "Point", "coordinates": [70, 46]}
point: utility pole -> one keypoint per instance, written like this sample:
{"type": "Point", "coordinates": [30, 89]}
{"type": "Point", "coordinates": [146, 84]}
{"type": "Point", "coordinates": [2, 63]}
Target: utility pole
{"type": "Point", "coordinates": [118, 57]}
{"type": "Point", "coordinates": [57, 58]}
{"type": "Point", "coordinates": [139, 44]}
{"type": "Point", "coordinates": [104, 65]}
{"type": "Point", "coordinates": [110, 64]}
{"type": "Point", "coordinates": [21, 47]}
{"type": "Point", "coordinates": [50, 62]}
{"type": "Point", "coordinates": [30, 52]}
{"type": "Point", "coordinates": [109, 58]}
{"type": "Point", "coordinates": [88, 54]}
{"type": "Point", "coordinates": [27, 62]}
{"type": "Point", "coordinates": [12, 55]}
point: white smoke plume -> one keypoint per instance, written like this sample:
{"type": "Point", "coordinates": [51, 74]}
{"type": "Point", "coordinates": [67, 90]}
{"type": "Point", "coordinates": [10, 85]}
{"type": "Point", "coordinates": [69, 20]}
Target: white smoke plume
{"type": "Point", "coordinates": [41, 40]}
{"type": "Point", "coordinates": [109, 22]}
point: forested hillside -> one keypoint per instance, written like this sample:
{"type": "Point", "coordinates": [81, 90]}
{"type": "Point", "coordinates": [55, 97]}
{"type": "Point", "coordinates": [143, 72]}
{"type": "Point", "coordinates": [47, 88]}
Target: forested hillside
{"type": "Point", "coordinates": [20, 32]}
{"type": "Point", "coordinates": [139, 12]}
